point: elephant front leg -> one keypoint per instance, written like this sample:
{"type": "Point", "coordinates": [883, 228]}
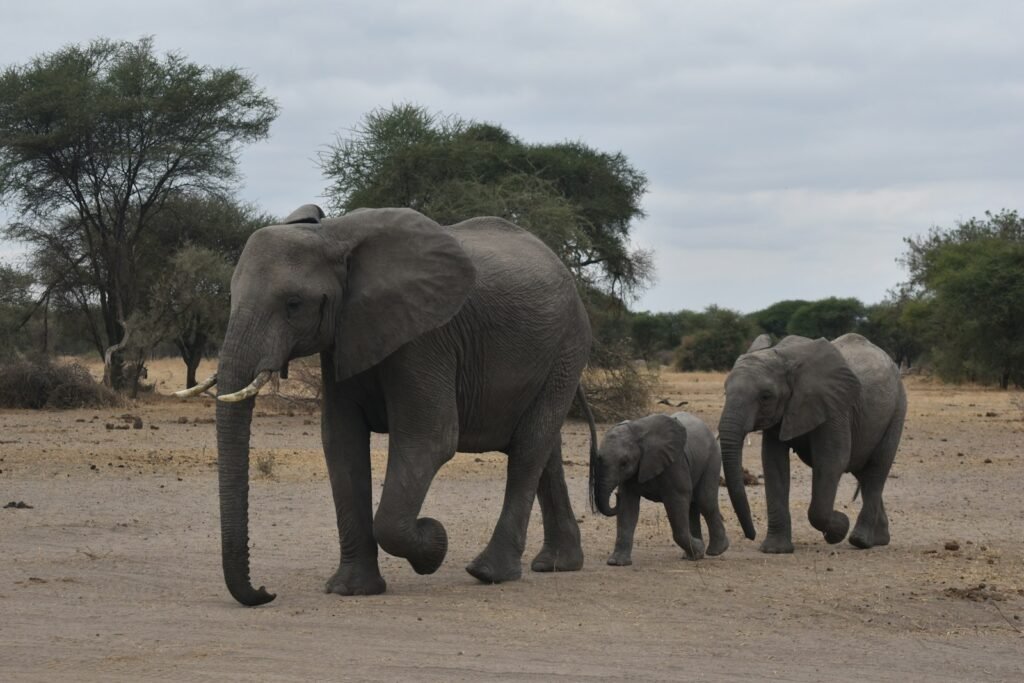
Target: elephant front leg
{"type": "Point", "coordinates": [775, 462]}
{"type": "Point", "coordinates": [423, 428]}
{"type": "Point", "coordinates": [830, 455]}
{"type": "Point", "coordinates": [347, 451]}
{"type": "Point", "coordinates": [413, 461]}
{"type": "Point", "coordinates": [628, 504]}
{"type": "Point", "coordinates": [562, 550]}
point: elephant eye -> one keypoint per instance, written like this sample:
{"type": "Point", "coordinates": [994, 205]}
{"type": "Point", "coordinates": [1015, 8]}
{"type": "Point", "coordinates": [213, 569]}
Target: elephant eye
{"type": "Point", "coordinates": [766, 395]}
{"type": "Point", "coordinates": [293, 305]}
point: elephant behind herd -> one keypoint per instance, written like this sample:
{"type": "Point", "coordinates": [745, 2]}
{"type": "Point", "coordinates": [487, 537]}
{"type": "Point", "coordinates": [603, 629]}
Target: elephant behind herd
{"type": "Point", "coordinates": [472, 338]}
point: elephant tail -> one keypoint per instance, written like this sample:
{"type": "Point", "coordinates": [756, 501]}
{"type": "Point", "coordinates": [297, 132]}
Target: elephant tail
{"type": "Point", "coordinates": [581, 396]}
{"type": "Point", "coordinates": [856, 492]}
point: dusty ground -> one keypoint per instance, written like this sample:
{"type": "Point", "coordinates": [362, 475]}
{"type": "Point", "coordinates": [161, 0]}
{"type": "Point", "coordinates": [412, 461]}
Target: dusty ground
{"type": "Point", "coordinates": [114, 573]}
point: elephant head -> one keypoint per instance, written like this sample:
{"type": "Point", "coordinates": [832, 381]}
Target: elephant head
{"type": "Point", "coordinates": [355, 288]}
{"type": "Point", "coordinates": [640, 449]}
{"type": "Point", "coordinates": [795, 386]}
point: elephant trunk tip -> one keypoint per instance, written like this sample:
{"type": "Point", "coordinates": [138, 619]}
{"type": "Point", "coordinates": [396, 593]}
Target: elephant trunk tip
{"type": "Point", "coordinates": [253, 597]}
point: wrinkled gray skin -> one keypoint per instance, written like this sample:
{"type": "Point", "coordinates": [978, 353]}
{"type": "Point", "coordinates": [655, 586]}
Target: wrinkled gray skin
{"type": "Point", "coordinates": [840, 406]}
{"type": "Point", "coordinates": [673, 460]}
{"type": "Point", "coordinates": [469, 337]}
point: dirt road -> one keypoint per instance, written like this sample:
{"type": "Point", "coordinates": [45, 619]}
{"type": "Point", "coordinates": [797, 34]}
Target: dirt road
{"type": "Point", "coordinates": [114, 572]}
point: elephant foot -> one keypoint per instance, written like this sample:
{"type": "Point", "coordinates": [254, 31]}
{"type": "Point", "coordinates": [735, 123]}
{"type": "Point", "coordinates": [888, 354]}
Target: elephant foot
{"type": "Point", "coordinates": [777, 545]}
{"type": "Point", "coordinates": [695, 551]}
{"type": "Point", "coordinates": [840, 525]}
{"type": "Point", "coordinates": [863, 537]}
{"type": "Point", "coordinates": [433, 549]}
{"type": "Point", "coordinates": [558, 560]}
{"type": "Point", "coordinates": [349, 580]}
{"type": "Point", "coordinates": [488, 569]}
{"type": "Point", "coordinates": [424, 545]}
{"type": "Point", "coordinates": [717, 545]}
{"type": "Point", "coordinates": [618, 559]}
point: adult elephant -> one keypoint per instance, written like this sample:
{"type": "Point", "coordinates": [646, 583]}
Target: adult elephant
{"type": "Point", "coordinates": [470, 337]}
{"type": "Point", "coordinates": [840, 406]}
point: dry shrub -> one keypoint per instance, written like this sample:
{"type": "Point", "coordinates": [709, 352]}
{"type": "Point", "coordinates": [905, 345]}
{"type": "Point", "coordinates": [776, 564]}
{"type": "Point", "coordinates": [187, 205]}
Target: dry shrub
{"type": "Point", "coordinates": [41, 383]}
{"type": "Point", "coordinates": [265, 465]}
{"type": "Point", "coordinates": [301, 391]}
{"type": "Point", "coordinates": [617, 388]}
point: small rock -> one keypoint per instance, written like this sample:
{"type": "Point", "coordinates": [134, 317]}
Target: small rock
{"type": "Point", "coordinates": [20, 505]}
{"type": "Point", "coordinates": [182, 420]}
{"type": "Point", "coordinates": [991, 414]}
{"type": "Point", "coordinates": [137, 423]}
{"type": "Point", "coordinates": [988, 461]}
{"type": "Point", "coordinates": [952, 545]}
{"type": "Point", "coordinates": [153, 427]}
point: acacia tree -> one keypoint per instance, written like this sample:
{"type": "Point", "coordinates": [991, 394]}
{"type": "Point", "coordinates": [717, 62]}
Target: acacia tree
{"type": "Point", "coordinates": [94, 140]}
{"type": "Point", "coordinates": [188, 300]}
{"type": "Point", "coordinates": [580, 201]}
{"type": "Point", "coordinates": [15, 304]}
{"type": "Point", "coordinates": [971, 278]}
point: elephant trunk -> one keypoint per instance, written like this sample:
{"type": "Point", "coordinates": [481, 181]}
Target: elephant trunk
{"type": "Point", "coordinates": [732, 431]}
{"type": "Point", "coordinates": [233, 424]}
{"type": "Point", "coordinates": [601, 488]}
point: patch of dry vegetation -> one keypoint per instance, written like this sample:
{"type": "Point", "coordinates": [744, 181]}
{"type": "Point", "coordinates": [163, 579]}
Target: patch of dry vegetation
{"type": "Point", "coordinates": [41, 383]}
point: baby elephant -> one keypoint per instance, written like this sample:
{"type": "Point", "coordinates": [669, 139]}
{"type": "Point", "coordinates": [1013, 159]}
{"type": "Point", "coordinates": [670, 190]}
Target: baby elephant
{"type": "Point", "coordinates": [674, 460]}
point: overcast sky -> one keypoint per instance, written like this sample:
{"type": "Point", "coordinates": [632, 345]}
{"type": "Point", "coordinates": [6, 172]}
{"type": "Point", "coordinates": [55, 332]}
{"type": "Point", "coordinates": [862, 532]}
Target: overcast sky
{"type": "Point", "coordinates": [790, 145]}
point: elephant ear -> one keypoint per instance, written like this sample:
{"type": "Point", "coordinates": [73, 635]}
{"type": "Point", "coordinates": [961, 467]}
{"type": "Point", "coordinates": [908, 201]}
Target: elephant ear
{"type": "Point", "coordinates": [821, 383]}
{"type": "Point", "coordinates": [307, 213]}
{"type": "Point", "coordinates": [662, 443]}
{"type": "Point", "coordinates": [763, 341]}
{"type": "Point", "coordinates": [402, 275]}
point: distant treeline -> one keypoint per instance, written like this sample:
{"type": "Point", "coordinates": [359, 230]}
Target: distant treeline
{"type": "Point", "coordinates": [960, 314]}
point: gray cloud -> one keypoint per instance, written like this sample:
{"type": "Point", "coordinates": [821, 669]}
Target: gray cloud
{"type": "Point", "coordinates": [790, 145]}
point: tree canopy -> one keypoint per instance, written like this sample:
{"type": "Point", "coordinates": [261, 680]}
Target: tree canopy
{"type": "Point", "coordinates": [829, 318]}
{"type": "Point", "coordinates": [94, 141]}
{"type": "Point", "coordinates": [580, 201]}
{"type": "Point", "coordinates": [775, 319]}
{"type": "Point", "coordinates": [971, 280]}
{"type": "Point", "coordinates": [723, 335]}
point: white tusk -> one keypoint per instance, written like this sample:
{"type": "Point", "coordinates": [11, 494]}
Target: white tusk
{"type": "Point", "coordinates": [249, 391]}
{"type": "Point", "coordinates": [199, 388]}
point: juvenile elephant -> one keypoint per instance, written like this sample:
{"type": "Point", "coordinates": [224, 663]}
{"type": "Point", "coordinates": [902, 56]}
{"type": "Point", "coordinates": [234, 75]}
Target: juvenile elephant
{"type": "Point", "coordinates": [840, 406]}
{"type": "Point", "coordinates": [673, 460]}
{"type": "Point", "coordinates": [468, 337]}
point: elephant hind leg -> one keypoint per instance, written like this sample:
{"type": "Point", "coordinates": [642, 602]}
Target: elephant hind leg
{"type": "Point", "coordinates": [707, 499]}
{"type": "Point", "coordinates": [562, 550]}
{"type": "Point", "coordinates": [872, 526]}
{"type": "Point", "coordinates": [534, 460]}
